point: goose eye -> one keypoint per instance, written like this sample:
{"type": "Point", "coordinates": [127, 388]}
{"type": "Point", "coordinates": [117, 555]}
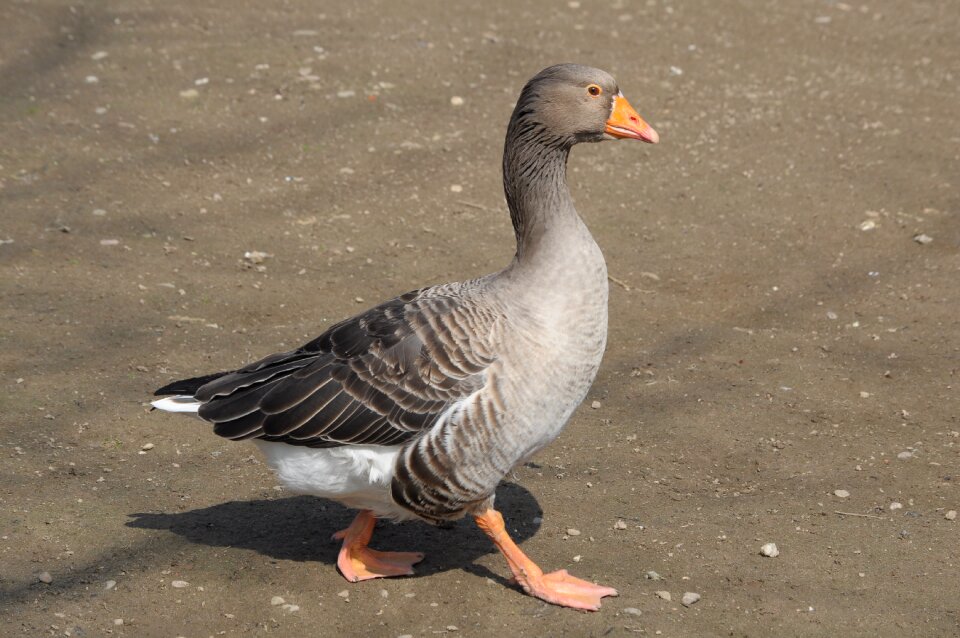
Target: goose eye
{"type": "Point", "coordinates": [594, 90]}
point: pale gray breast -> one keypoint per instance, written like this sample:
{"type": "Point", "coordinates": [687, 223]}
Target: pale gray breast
{"type": "Point", "coordinates": [559, 343]}
{"type": "Point", "coordinates": [548, 339]}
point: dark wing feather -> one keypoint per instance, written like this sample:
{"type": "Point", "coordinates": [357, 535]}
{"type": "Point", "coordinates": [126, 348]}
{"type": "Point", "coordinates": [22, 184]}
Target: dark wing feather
{"type": "Point", "coordinates": [378, 378]}
{"type": "Point", "coordinates": [244, 427]}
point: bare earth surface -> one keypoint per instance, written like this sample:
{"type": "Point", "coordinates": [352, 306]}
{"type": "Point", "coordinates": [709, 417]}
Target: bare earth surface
{"type": "Point", "coordinates": [778, 333]}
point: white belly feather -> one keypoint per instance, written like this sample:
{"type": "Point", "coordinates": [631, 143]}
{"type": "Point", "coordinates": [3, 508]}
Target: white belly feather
{"type": "Point", "coordinates": [358, 476]}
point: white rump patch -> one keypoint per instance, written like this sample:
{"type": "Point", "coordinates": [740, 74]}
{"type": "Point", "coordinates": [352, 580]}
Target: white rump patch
{"type": "Point", "coordinates": [180, 403]}
{"type": "Point", "coordinates": [356, 475]}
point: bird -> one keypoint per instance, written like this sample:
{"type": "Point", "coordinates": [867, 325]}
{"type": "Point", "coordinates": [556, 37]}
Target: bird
{"type": "Point", "coordinates": [418, 407]}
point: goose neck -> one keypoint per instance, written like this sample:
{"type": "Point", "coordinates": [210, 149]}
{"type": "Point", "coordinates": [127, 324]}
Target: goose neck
{"type": "Point", "coordinates": [535, 184]}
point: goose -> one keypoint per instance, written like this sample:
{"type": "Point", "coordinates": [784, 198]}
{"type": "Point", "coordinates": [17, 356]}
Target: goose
{"type": "Point", "coordinates": [418, 407]}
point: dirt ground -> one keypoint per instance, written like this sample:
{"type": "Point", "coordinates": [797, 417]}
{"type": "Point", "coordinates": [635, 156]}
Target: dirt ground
{"type": "Point", "coordinates": [781, 329]}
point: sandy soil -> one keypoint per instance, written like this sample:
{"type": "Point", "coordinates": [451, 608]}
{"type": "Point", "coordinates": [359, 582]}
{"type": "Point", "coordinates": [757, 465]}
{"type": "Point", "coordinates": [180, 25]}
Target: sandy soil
{"type": "Point", "coordinates": [780, 335]}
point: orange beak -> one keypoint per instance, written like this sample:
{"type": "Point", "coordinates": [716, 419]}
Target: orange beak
{"type": "Point", "coordinates": [624, 122]}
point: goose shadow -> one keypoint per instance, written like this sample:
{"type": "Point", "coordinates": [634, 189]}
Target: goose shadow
{"type": "Point", "coordinates": [299, 528]}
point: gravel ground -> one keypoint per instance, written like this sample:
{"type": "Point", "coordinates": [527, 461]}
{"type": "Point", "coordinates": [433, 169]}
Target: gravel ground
{"type": "Point", "coordinates": [186, 186]}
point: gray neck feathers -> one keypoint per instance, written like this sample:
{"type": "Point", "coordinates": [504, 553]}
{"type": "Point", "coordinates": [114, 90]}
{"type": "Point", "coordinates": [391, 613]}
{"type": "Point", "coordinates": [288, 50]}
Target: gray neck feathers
{"type": "Point", "coordinates": [535, 178]}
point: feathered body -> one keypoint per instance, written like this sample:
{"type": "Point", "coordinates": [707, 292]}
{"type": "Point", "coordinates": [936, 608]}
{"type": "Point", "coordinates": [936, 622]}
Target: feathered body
{"type": "Point", "coordinates": [420, 406]}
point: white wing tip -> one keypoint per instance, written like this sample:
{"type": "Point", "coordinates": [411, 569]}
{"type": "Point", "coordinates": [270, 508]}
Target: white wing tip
{"type": "Point", "coordinates": [180, 403]}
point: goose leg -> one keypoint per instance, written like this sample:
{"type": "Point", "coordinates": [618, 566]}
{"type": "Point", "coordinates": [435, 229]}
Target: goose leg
{"type": "Point", "coordinates": [358, 562]}
{"type": "Point", "coordinates": [559, 587]}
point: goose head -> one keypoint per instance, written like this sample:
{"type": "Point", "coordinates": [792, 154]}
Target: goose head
{"type": "Point", "coordinates": [574, 103]}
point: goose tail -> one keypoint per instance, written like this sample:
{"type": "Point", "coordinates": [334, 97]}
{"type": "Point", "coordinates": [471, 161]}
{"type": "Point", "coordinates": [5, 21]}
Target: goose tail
{"type": "Point", "coordinates": [178, 403]}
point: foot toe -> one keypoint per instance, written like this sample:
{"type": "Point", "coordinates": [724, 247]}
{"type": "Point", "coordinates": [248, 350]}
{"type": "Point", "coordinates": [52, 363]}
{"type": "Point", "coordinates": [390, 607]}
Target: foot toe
{"type": "Point", "coordinates": [560, 588]}
{"type": "Point", "coordinates": [363, 563]}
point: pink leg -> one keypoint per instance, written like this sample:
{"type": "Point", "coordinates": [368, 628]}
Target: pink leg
{"type": "Point", "coordinates": [559, 587]}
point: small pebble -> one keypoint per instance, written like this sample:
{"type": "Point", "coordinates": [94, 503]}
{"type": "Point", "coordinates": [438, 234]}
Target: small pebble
{"type": "Point", "coordinates": [179, 584]}
{"type": "Point", "coordinates": [770, 550]}
{"type": "Point", "coordinates": [632, 611]}
{"type": "Point", "coordinates": [99, 55]}
{"type": "Point", "coordinates": [573, 532]}
{"type": "Point", "coordinates": [868, 225]}
{"type": "Point", "coordinates": [951, 515]}
{"type": "Point", "coordinates": [896, 506]}
{"type": "Point", "coordinates": [620, 525]}
{"type": "Point", "coordinates": [690, 598]}
{"type": "Point", "coordinates": [147, 446]}
{"type": "Point", "coordinates": [906, 454]}
{"type": "Point", "coordinates": [118, 622]}
{"type": "Point", "coordinates": [456, 100]}
{"type": "Point", "coordinates": [277, 600]}
{"type": "Point", "coordinates": [344, 594]}
{"type": "Point", "coordinates": [841, 493]}
{"type": "Point", "coordinates": [923, 239]}
{"type": "Point", "coordinates": [45, 577]}
{"type": "Point", "coordinates": [595, 405]}
{"type": "Point", "coordinates": [664, 594]}
{"type": "Point", "coordinates": [190, 94]}
{"type": "Point", "coordinates": [456, 188]}
{"type": "Point", "coordinates": [256, 256]}
{"type": "Point", "coordinates": [291, 608]}
{"type": "Point", "coordinates": [652, 575]}
{"type": "Point", "coordinates": [110, 584]}
{"type": "Point", "coordinates": [345, 94]}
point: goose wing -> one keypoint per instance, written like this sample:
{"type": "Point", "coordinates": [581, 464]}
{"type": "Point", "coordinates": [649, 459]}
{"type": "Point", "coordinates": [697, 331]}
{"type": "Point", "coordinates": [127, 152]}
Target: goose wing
{"type": "Point", "coordinates": [378, 378]}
